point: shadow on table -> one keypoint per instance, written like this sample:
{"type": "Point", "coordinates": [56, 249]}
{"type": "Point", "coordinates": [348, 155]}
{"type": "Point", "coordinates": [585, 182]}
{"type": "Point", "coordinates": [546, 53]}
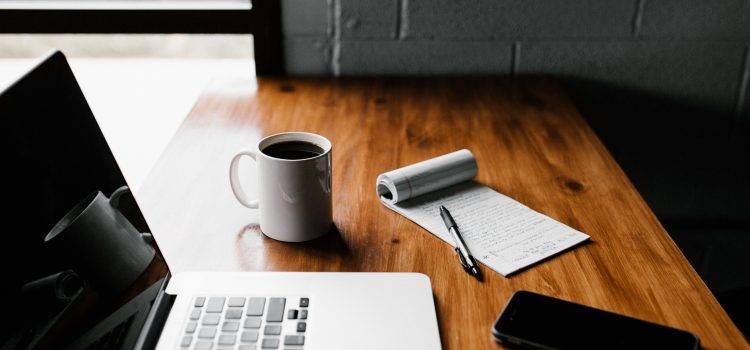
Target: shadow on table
{"type": "Point", "coordinates": [329, 244]}
{"type": "Point", "coordinates": [329, 252]}
{"type": "Point", "coordinates": [692, 166]}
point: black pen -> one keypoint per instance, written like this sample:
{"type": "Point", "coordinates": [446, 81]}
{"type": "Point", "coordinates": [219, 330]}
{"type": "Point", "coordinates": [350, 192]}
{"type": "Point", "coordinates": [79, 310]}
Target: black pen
{"type": "Point", "coordinates": [467, 261]}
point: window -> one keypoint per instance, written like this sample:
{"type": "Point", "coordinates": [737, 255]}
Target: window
{"type": "Point", "coordinates": [150, 16]}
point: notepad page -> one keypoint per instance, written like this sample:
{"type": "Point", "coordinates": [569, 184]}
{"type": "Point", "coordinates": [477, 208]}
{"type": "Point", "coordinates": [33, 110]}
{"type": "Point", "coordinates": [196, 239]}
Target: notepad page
{"type": "Point", "coordinates": [501, 233]}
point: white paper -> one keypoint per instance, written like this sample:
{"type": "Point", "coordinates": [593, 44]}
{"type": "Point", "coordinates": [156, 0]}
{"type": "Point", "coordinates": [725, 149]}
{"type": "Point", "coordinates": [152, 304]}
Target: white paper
{"type": "Point", "coordinates": [501, 233]}
{"type": "Point", "coordinates": [427, 176]}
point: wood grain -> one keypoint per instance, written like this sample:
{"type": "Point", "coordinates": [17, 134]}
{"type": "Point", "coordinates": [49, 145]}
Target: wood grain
{"type": "Point", "coordinates": [531, 144]}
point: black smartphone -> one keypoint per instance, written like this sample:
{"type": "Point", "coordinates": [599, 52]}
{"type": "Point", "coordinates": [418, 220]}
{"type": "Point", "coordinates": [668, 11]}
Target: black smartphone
{"type": "Point", "coordinates": [535, 321]}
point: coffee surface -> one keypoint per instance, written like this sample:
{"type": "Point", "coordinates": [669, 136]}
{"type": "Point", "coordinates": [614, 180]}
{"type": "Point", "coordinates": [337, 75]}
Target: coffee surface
{"type": "Point", "coordinates": [293, 150]}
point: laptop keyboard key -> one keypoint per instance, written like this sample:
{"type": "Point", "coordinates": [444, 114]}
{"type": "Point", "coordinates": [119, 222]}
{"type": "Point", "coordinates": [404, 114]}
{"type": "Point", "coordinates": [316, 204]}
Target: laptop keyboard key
{"type": "Point", "coordinates": [301, 327]}
{"type": "Point", "coordinates": [252, 322]}
{"type": "Point", "coordinates": [186, 340]}
{"type": "Point", "coordinates": [255, 306]}
{"type": "Point", "coordinates": [215, 304]}
{"type": "Point", "coordinates": [294, 340]}
{"type": "Point", "coordinates": [232, 326]}
{"type": "Point", "coordinates": [249, 336]}
{"type": "Point", "coordinates": [233, 313]}
{"type": "Point", "coordinates": [304, 302]}
{"type": "Point", "coordinates": [270, 343]}
{"type": "Point", "coordinates": [247, 347]}
{"type": "Point", "coordinates": [302, 314]}
{"type": "Point", "coordinates": [291, 314]}
{"type": "Point", "coordinates": [199, 301]}
{"type": "Point", "coordinates": [236, 302]}
{"type": "Point", "coordinates": [275, 309]}
{"type": "Point", "coordinates": [195, 314]}
{"type": "Point", "coordinates": [203, 345]}
{"type": "Point", "coordinates": [227, 339]}
{"type": "Point", "coordinates": [207, 332]}
{"type": "Point", "coordinates": [191, 326]}
{"type": "Point", "coordinates": [272, 330]}
{"type": "Point", "coordinates": [210, 319]}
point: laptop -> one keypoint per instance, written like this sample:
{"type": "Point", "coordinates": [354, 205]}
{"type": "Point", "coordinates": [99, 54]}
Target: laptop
{"type": "Point", "coordinates": [55, 155]}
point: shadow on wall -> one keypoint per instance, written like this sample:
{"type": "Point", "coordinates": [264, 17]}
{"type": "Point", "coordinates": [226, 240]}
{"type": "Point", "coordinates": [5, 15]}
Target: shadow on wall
{"type": "Point", "coordinates": [690, 163]}
{"type": "Point", "coordinates": [692, 166]}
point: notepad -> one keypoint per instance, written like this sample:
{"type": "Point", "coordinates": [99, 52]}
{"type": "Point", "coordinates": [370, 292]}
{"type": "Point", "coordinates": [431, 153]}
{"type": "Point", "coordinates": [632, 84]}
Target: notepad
{"type": "Point", "coordinates": [501, 233]}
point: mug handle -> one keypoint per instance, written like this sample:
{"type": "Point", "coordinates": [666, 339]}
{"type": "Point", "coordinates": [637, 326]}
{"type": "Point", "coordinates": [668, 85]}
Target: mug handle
{"type": "Point", "coordinates": [234, 179]}
{"type": "Point", "coordinates": [114, 198]}
{"type": "Point", "coordinates": [114, 201]}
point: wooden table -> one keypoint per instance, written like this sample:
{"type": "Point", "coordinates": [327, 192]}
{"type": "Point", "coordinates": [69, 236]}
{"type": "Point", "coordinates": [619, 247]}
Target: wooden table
{"type": "Point", "coordinates": [530, 143]}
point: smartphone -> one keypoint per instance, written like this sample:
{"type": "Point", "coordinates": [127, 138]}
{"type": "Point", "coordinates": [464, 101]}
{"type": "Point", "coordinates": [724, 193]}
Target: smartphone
{"type": "Point", "coordinates": [535, 321]}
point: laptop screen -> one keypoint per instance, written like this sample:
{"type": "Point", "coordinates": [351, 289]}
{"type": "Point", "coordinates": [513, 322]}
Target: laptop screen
{"type": "Point", "coordinates": [75, 248]}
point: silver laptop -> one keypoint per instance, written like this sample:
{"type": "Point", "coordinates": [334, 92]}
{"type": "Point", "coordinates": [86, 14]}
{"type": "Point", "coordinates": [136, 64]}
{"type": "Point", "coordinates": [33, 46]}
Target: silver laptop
{"type": "Point", "coordinates": [56, 155]}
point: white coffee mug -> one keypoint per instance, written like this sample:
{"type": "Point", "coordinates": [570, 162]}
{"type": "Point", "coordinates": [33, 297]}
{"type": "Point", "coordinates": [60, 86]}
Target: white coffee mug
{"type": "Point", "coordinates": [294, 196]}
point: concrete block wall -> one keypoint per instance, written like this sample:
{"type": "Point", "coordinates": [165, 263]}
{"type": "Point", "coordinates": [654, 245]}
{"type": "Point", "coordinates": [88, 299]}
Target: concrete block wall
{"type": "Point", "coordinates": [690, 50]}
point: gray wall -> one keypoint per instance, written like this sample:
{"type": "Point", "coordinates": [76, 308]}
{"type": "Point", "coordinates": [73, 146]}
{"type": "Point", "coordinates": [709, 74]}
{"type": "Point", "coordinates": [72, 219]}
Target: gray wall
{"type": "Point", "coordinates": [691, 50]}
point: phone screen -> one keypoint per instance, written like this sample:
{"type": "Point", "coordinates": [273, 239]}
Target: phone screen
{"type": "Point", "coordinates": [536, 321]}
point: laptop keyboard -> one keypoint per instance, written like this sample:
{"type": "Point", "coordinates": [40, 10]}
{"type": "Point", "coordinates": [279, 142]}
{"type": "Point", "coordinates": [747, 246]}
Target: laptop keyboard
{"type": "Point", "coordinates": [246, 323]}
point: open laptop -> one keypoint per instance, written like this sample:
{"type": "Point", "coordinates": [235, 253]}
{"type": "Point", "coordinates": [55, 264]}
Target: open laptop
{"type": "Point", "coordinates": [55, 155]}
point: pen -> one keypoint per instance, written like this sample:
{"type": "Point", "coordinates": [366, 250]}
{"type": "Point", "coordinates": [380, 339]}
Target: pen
{"type": "Point", "coordinates": [467, 261]}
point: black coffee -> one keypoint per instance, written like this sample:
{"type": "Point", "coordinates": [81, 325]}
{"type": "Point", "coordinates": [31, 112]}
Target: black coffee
{"type": "Point", "coordinates": [293, 150]}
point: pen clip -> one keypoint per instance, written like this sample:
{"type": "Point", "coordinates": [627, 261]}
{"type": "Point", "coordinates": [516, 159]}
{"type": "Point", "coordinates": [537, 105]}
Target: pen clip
{"type": "Point", "coordinates": [464, 264]}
